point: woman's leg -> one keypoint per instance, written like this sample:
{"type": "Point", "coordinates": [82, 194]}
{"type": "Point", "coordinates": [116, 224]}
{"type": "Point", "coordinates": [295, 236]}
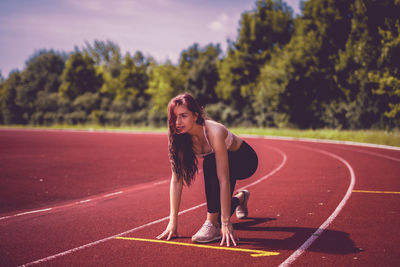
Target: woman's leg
{"type": "Point", "coordinates": [243, 163]}
{"type": "Point", "coordinates": [212, 189]}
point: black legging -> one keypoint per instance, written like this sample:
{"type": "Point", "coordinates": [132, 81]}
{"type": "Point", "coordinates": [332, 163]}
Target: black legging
{"type": "Point", "coordinates": [242, 164]}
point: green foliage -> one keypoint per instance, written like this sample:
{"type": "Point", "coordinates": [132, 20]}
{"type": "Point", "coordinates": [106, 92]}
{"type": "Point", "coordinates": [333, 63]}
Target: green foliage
{"type": "Point", "coordinates": [11, 113]}
{"type": "Point", "coordinates": [165, 82]}
{"type": "Point", "coordinates": [40, 78]}
{"type": "Point", "coordinates": [271, 84]}
{"type": "Point", "coordinates": [199, 68]}
{"type": "Point", "coordinates": [106, 54]}
{"type": "Point", "coordinates": [46, 108]}
{"type": "Point", "coordinates": [79, 76]}
{"type": "Point", "coordinates": [268, 27]}
{"type": "Point", "coordinates": [387, 76]}
{"type": "Point", "coordinates": [222, 112]}
{"type": "Point", "coordinates": [135, 79]}
{"type": "Point", "coordinates": [43, 70]}
{"type": "Point", "coordinates": [312, 54]}
{"type": "Point", "coordinates": [367, 64]}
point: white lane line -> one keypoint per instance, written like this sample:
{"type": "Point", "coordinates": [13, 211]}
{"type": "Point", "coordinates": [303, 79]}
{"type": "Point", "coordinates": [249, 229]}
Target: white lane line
{"type": "Point", "coordinates": [25, 213]}
{"type": "Point", "coordinates": [150, 223]}
{"type": "Point", "coordinates": [114, 194]}
{"type": "Point", "coordinates": [84, 201]}
{"type": "Point", "coordinates": [161, 182]}
{"type": "Point", "coordinates": [80, 202]}
{"type": "Point", "coordinates": [321, 229]}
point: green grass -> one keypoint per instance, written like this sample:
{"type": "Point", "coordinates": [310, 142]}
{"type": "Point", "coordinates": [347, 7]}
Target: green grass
{"type": "Point", "coordinates": [363, 136]}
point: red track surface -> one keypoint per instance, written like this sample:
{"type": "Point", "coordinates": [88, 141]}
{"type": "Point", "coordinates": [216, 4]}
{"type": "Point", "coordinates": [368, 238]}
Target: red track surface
{"type": "Point", "coordinates": [66, 196]}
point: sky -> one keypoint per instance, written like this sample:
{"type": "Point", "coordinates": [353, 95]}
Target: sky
{"type": "Point", "coordinates": [158, 28]}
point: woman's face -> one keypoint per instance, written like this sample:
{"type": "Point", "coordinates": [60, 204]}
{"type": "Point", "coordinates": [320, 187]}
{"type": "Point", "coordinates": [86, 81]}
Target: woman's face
{"type": "Point", "coordinates": [185, 119]}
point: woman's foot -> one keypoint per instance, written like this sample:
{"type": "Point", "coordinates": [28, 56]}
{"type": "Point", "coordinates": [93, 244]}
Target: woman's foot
{"type": "Point", "coordinates": [207, 233]}
{"type": "Point", "coordinates": [242, 211]}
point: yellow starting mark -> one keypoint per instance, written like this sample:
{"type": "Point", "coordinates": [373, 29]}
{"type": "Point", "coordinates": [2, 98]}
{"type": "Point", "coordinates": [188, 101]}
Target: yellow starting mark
{"type": "Point", "coordinates": [254, 253]}
{"type": "Point", "coordinates": [376, 192]}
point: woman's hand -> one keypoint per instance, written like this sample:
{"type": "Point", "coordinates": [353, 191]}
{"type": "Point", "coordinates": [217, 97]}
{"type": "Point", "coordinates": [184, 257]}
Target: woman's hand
{"type": "Point", "coordinates": [172, 229]}
{"type": "Point", "coordinates": [228, 234]}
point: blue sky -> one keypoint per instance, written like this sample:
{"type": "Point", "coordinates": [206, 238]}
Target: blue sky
{"type": "Point", "coordinates": [160, 28]}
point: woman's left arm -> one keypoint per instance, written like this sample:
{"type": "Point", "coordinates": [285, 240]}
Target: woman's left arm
{"type": "Point", "coordinates": [217, 138]}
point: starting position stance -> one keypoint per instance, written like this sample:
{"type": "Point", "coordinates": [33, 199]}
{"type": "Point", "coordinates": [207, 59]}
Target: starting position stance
{"type": "Point", "coordinates": [227, 158]}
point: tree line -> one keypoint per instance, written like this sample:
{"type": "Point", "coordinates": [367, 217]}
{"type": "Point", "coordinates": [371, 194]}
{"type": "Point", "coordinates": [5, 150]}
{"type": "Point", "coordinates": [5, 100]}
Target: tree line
{"type": "Point", "coordinates": [337, 65]}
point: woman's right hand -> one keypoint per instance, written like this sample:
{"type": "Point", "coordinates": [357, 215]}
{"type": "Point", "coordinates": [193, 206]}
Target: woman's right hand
{"type": "Point", "coordinates": [172, 229]}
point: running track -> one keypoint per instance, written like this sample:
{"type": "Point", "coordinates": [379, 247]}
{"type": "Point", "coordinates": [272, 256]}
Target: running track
{"type": "Point", "coordinates": [100, 199]}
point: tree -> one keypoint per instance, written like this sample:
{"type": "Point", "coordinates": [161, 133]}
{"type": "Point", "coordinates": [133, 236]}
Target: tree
{"type": "Point", "coordinates": [135, 79]}
{"type": "Point", "coordinates": [106, 54]}
{"type": "Point", "coordinates": [368, 67]}
{"type": "Point", "coordinates": [271, 84]}
{"type": "Point", "coordinates": [165, 82]}
{"type": "Point", "coordinates": [188, 57]}
{"type": "Point", "coordinates": [386, 78]}
{"type": "Point", "coordinates": [267, 27]}
{"type": "Point", "coordinates": [322, 33]}
{"type": "Point", "coordinates": [79, 76]}
{"type": "Point", "coordinates": [298, 83]}
{"type": "Point", "coordinates": [199, 69]}
{"type": "Point", "coordinates": [46, 105]}
{"type": "Point", "coordinates": [11, 113]}
{"type": "Point", "coordinates": [41, 74]}
{"type": "Point", "coordinates": [43, 70]}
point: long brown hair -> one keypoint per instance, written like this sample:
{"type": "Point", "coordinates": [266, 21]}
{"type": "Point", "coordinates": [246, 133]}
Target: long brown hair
{"type": "Point", "coordinates": [180, 146]}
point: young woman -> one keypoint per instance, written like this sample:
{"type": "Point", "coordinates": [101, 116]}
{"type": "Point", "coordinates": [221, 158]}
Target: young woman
{"type": "Point", "coordinates": [226, 159]}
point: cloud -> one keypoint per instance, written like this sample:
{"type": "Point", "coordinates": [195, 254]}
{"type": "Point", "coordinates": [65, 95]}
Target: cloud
{"type": "Point", "coordinates": [225, 27]}
{"type": "Point", "coordinates": [125, 8]}
{"type": "Point", "coordinates": [220, 24]}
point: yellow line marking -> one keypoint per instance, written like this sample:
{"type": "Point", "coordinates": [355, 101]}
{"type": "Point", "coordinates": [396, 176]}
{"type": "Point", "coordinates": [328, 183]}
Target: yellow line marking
{"type": "Point", "coordinates": [375, 192]}
{"type": "Point", "coordinates": [255, 253]}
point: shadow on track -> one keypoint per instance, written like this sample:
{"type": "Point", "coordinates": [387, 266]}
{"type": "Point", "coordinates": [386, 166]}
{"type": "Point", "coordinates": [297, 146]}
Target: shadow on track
{"type": "Point", "coordinates": [331, 241]}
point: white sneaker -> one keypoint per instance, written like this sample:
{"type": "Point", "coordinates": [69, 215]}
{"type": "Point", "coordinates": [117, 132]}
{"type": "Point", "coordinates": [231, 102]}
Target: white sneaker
{"type": "Point", "coordinates": [207, 233]}
{"type": "Point", "coordinates": [242, 211]}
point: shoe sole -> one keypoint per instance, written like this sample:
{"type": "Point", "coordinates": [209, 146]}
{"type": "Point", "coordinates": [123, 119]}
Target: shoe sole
{"type": "Point", "coordinates": [244, 214]}
{"type": "Point", "coordinates": [206, 241]}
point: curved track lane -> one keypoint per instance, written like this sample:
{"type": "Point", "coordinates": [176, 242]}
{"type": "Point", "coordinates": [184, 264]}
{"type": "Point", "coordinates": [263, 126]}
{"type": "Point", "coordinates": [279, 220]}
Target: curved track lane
{"type": "Point", "coordinates": [311, 203]}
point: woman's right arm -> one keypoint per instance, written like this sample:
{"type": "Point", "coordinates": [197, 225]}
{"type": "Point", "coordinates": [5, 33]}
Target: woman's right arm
{"type": "Point", "coordinates": [175, 194]}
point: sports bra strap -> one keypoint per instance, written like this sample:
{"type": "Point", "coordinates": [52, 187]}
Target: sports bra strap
{"type": "Point", "coordinates": [228, 142]}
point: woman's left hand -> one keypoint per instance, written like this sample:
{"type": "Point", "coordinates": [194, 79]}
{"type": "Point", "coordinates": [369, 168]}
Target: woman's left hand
{"type": "Point", "coordinates": [228, 235]}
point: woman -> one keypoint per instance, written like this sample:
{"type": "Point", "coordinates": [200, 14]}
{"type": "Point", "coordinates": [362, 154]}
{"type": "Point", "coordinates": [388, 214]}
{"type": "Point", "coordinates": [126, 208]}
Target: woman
{"type": "Point", "coordinates": [226, 159]}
